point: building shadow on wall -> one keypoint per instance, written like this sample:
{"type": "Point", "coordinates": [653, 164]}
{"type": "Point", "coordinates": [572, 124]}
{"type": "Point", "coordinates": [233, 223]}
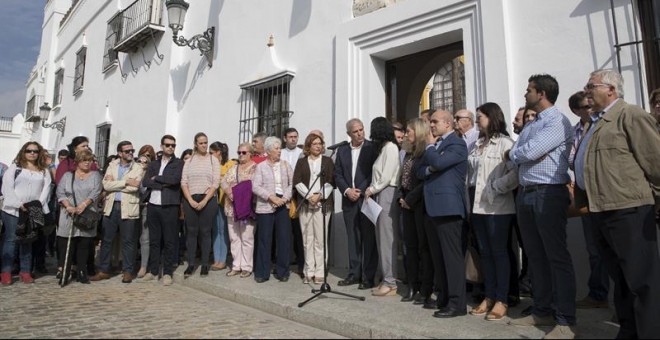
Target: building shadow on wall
{"type": "Point", "coordinates": [301, 12]}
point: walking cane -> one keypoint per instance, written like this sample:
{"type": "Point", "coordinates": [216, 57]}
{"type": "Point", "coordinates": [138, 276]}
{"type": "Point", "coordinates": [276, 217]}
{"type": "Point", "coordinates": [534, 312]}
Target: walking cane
{"type": "Point", "coordinates": [66, 257]}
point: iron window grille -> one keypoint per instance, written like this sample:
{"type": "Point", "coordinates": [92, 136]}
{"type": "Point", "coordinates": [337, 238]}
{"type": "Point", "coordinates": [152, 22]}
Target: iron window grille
{"type": "Point", "coordinates": [111, 38]}
{"type": "Point", "coordinates": [265, 108]}
{"type": "Point", "coordinates": [102, 144]}
{"type": "Point", "coordinates": [59, 82]}
{"type": "Point", "coordinates": [79, 78]}
{"type": "Point", "coordinates": [448, 91]}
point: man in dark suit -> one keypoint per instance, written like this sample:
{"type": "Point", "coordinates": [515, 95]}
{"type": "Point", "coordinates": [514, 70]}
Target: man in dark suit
{"type": "Point", "coordinates": [352, 176]}
{"type": "Point", "coordinates": [443, 169]}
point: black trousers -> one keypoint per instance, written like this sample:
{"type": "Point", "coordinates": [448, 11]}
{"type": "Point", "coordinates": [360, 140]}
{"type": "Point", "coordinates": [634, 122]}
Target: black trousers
{"type": "Point", "coordinates": [446, 236]}
{"type": "Point", "coordinates": [79, 248]}
{"type": "Point", "coordinates": [163, 229]}
{"type": "Point", "coordinates": [362, 249]}
{"type": "Point", "coordinates": [298, 249]}
{"type": "Point", "coordinates": [199, 225]}
{"type": "Point", "coordinates": [628, 243]}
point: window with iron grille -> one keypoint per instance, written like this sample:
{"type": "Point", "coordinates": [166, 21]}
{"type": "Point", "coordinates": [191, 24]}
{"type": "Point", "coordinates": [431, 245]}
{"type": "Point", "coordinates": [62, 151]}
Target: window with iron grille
{"type": "Point", "coordinates": [111, 35]}
{"type": "Point", "coordinates": [448, 91]}
{"type": "Point", "coordinates": [79, 78]}
{"type": "Point", "coordinates": [59, 81]}
{"type": "Point", "coordinates": [265, 108]}
{"type": "Point", "coordinates": [102, 144]}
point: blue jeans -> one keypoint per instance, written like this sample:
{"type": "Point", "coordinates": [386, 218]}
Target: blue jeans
{"type": "Point", "coordinates": [8, 246]}
{"type": "Point", "coordinates": [220, 239]}
{"type": "Point", "coordinates": [280, 222]}
{"type": "Point", "coordinates": [128, 229]}
{"type": "Point", "coordinates": [493, 235]}
{"type": "Point", "coordinates": [542, 219]}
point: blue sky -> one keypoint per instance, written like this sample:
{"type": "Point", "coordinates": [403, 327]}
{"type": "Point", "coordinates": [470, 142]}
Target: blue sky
{"type": "Point", "coordinates": [20, 39]}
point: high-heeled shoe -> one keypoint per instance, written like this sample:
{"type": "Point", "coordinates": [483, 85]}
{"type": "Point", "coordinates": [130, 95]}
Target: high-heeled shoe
{"type": "Point", "coordinates": [483, 308]}
{"type": "Point", "coordinates": [189, 271]}
{"type": "Point", "coordinates": [498, 312]}
{"type": "Point", "coordinates": [82, 277]}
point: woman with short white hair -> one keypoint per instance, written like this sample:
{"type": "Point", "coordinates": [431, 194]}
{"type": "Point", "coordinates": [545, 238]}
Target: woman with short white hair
{"type": "Point", "coordinates": [272, 186]}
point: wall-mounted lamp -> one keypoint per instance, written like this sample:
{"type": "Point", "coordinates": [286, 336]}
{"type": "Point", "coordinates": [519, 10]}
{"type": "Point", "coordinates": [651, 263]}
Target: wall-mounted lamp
{"type": "Point", "coordinates": [44, 112]}
{"type": "Point", "coordinates": [176, 14]}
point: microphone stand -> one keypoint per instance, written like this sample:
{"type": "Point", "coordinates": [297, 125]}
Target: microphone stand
{"type": "Point", "coordinates": [325, 287]}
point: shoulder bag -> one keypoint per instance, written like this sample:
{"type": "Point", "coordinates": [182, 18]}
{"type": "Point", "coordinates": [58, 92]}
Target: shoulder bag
{"type": "Point", "coordinates": [88, 219]}
{"type": "Point", "coordinates": [242, 193]}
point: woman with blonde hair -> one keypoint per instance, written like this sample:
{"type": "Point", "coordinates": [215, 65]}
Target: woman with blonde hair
{"type": "Point", "coordinates": [26, 183]}
{"type": "Point", "coordinates": [311, 171]}
{"type": "Point", "coordinates": [419, 268]}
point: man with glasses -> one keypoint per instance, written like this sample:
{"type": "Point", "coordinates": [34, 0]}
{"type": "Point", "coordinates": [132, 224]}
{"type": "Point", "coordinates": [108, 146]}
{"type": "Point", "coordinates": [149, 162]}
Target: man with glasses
{"type": "Point", "coordinates": [464, 123]}
{"type": "Point", "coordinates": [617, 165]}
{"type": "Point", "coordinates": [541, 154]}
{"type": "Point", "coordinates": [599, 281]}
{"type": "Point", "coordinates": [163, 183]}
{"type": "Point", "coordinates": [121, 211]}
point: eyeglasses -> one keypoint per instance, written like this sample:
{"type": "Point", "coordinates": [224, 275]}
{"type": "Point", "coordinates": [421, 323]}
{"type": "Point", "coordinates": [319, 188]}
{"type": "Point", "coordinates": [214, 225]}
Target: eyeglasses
{"type": "Point", "coordinates": [583, 107]}
{"type": "Point", "coordinates": [168, 145]}
{"type": "Point", "coordinates": [590, 86]}
{"type": "Point", "coordinates": [242, 153]}
{"type": "Point", "coordinates": [33, 151]}
{"type": "Point", "coordinates": [129, 151]}
{"type": "Point", "coordinates": [458, 118]}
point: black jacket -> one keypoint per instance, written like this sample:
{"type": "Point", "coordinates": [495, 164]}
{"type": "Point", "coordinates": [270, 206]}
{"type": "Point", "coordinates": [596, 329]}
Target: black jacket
{"type": "Point", "coordinates": [169, 183]}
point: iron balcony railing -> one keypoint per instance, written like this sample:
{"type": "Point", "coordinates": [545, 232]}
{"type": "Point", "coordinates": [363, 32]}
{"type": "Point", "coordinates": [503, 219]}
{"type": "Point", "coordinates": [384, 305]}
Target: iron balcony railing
{"type": "Point", "coordinates": [138, 21]}
{"type": "Point", "coordinates": [6, 124]}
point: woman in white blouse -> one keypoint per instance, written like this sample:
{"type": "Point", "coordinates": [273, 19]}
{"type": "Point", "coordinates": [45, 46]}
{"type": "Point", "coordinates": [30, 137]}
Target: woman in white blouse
{"type": "Point", "coordinates": [311, 195]}
{"type": "Point", "coordinates": [26, 180]}
{"type": "Point", "coordinates": [493, 180]}
{"type": "Point", "coordinates": [384, 183]}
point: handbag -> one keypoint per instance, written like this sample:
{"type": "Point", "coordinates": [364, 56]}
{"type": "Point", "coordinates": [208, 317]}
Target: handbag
{"type": "Point", "coordinates": [242, 193]}
{"type": "Point", "coordinates": [293, 208]}
{"type": "Point", "coordinates": [473, 271]}
{"type": "Point", "coordinates": [88, 219]}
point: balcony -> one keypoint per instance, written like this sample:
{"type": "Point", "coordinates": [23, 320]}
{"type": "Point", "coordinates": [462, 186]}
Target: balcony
{"type": "Point", "coordinates": [139, 21]}
{"type": "Point", "coordinates": [32, 108]}
{"type": "Point", "coordinates": [6, 124]}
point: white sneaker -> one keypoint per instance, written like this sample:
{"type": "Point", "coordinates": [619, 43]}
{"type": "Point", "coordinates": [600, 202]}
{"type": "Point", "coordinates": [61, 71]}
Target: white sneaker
{"type": "Point", "coordinates": [148, 277]}
{"type": "Point", "coordinates": [167, 280]}
{"type": "Point", "coordinates": [561, 332]}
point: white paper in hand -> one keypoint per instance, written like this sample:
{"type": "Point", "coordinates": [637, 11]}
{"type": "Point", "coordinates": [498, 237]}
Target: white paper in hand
{"type": "Point", "coordinates": [371, 209]}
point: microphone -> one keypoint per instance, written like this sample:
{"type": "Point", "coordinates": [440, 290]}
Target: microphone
{"type": "Point", "coordinates": [335, 146]}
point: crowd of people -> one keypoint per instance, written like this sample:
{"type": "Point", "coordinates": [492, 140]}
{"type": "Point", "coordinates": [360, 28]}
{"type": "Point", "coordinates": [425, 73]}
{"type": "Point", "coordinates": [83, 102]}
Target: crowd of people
{"type": "Point", "coordinates": [444, 181]}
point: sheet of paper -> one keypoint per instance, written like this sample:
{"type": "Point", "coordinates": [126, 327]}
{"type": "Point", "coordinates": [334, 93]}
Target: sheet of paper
{"type": "Point", "coordinates": [371, 209]}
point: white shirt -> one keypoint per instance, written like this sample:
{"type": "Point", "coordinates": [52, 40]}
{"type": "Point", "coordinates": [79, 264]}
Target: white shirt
{"type": "Point", "coordinates": [291, 155]}
{"type": "Point", "coordinates": [386, 169]}
{"type": "Point", "coordinates": [155, 197]}
{"type": "Point", "coordinates": [28, 186]}
{"type": "Point", "coordinates": [471, 137]}
{"type": "Point", "coordinates": [277, 175]}
{"type": "Point", "coordinates": [355, 155]}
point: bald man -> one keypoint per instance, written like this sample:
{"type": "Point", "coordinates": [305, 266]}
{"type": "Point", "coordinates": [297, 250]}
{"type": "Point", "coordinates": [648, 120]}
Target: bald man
{"type": "Point", "coordinates": [444, 169]}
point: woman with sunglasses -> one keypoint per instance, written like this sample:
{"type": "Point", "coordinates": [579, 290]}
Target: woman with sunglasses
{"type": "Point", "coordinates": [241, 232]}
{"type": "Point", "coordinates": [146, 154]}
{"type": "Point", "coordinates": [26, 180]}
{"type": "Point", "coordinates": [199, 183]}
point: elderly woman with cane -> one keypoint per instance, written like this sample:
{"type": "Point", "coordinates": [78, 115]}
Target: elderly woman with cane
{"type": "Point", "coordinates": [77, 191]}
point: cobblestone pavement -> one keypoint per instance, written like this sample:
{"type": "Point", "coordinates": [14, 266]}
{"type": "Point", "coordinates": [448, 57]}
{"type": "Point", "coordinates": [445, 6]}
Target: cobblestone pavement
{"type": "Point", "coordinates": [111, 309]}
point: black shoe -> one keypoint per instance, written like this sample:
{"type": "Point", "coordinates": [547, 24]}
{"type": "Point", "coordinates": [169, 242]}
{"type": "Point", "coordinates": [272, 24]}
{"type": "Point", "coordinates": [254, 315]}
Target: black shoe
{"type": "Point", "coordinates": [189, 271]}
{"type": "Point", "coordinates": [348, 281]}
{"type": "Point", "coordinates": [449, 313]}
{"type": "Point", "coordinates": [282, 278]}
{"type": "Point", "coordinates": [260, 279]}
{"type": "Point", "coordinates": [513, 300]}
{"type": "Point", "coordinates": [419, 299]}
{"type": "Point", "coordinates": [204, 271]}
{"type": "Point", "coordinates": [527, 311]}
{"type": "Point", "coordinates": [430, 303]}
{"type": "Point", "coordinates": [59, 274]}
{"type": "Point", "coordinates": [409, 297]}
{"type": "Point", "coordinates": [82, 277]}
{"type": "Point", "coordinates": [366, 285]}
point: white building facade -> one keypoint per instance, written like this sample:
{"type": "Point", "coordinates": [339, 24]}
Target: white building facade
{"type": "Point", "coordinates": [111, 68]}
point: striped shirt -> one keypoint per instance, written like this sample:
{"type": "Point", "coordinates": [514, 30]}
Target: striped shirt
{"type": "Point", "coordinates": [543, 148]}
{"type": "Point", "coordinates": [201, 173]}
